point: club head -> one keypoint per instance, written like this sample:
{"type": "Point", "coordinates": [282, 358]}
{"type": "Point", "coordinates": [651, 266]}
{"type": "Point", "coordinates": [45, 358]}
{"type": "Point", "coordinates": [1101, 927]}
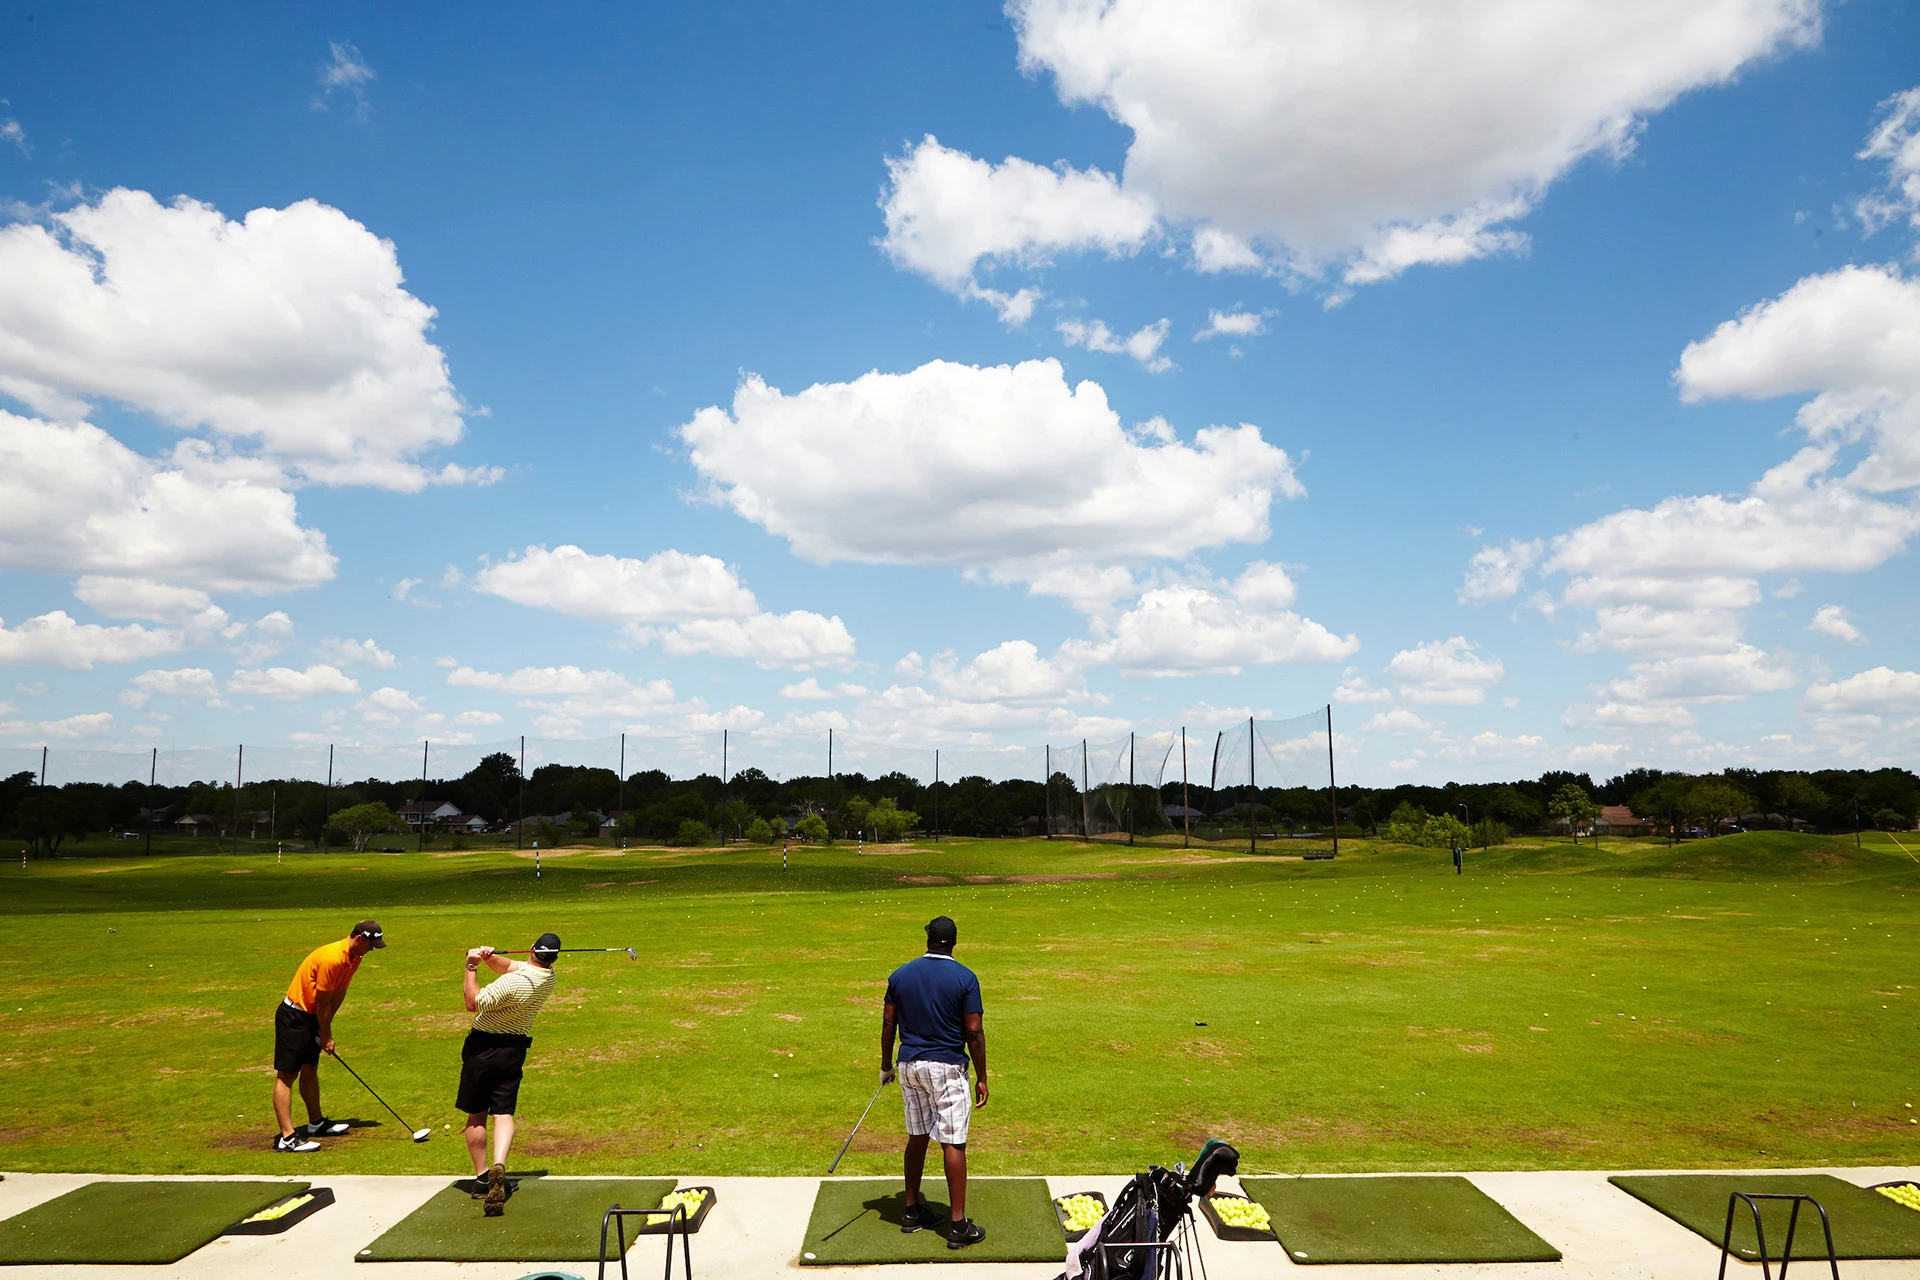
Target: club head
{"type": "Point", "coordinates": [421, 1135]}
{"type": "Point", "coordinates": [630, 954]}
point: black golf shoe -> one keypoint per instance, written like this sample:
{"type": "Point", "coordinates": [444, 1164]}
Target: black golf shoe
{"type": "Point", "coordinates": [964, 1232]}
{"type": "Point", "coordinates": [293, 1143]}
{"type": "Point", "coordinates": [920, 1215]}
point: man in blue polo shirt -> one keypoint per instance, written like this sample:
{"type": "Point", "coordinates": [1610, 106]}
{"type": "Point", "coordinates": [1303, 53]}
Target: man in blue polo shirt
{"type": "Point", "coordinates": [934, 1002]}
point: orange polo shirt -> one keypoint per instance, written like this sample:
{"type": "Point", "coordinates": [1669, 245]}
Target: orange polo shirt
{"type": "Point", "coordinates": [329, 969]}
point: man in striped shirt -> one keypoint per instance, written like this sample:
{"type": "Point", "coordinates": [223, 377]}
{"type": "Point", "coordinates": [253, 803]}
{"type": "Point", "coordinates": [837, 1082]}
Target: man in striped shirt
{"type": "Point", "coordinates": [495, 1053]}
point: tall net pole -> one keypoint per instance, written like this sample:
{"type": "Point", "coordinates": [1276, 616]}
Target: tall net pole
{"type": "Point", "coordinates": [1047, 791]}
{"type": "Point", "coordinates": [239, 767]}
{"type": "Point", "coordinates": [520, 827]}
{"type": "Point", "coordinates": [1333, 787]}
{"type": "Point", "coordinates": [420, 842]}
{"type": "Point", "coordinates": [936, 795]}
{"type": "Point", "coordinates": [1086, 795]}
{"type": "Point", "coordinates": [326, 801]}
{"type": "Point", "coordinates": [153, 773]}
{"type": "Point", "coordinates": [829, 755]}
{"type": "Point", "coordinates": [1130, 796]}
{"type": "Point", "coordinates": [620, 800]}
{"type": "Point", "coordinates": [723, 786]}
{"type": "Point", "coordinates": [1186, 804]}
{"type": "Point", "coordinates": [1253, 801]}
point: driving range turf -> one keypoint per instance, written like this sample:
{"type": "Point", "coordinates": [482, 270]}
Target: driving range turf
{"type": "Point", "coordinates": [1749, 1001]}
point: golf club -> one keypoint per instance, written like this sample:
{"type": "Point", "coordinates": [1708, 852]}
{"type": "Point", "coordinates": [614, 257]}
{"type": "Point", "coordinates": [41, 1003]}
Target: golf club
{"type": "Point", "coordinates": [628, 950]}
{"type": "Point", "coordinates": [856, 1127]}
{"type": "Point", "coordinates": [419, 1135]}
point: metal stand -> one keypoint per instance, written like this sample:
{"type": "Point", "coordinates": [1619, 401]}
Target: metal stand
{"type": "Point", "coordinates": [1760, 1234]}
{"type": "Point", "coordinates": [677, 1223]}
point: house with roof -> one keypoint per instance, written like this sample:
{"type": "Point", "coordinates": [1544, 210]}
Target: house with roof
{"type": "Point", "coordinates": [439, 814]}
{"type": "Point", "coordinates": [1620, 820]}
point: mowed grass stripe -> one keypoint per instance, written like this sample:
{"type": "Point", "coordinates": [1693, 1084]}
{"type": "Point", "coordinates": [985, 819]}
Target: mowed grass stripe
{"type": "Point", "coordinates": [1556, 1007]}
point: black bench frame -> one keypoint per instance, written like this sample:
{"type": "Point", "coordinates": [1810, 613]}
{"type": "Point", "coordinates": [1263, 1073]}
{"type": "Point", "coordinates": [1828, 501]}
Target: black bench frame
{"type": "Point", "coordinates": [676, 1224]}
{"type": "Point", "coordinates": [1760, 1233]}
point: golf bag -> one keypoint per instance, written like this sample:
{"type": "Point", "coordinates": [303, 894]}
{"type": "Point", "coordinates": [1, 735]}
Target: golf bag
{"type": "Point", "coordinates": [1151, 1210]}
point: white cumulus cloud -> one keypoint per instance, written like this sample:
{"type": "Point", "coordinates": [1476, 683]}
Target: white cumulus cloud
{"type": "Point", "coordinates": [1007, 469]}
{"type": "Point", "coordinates": [1831, 620]}
{"type": "Point", "coordinates": [288, 331]}
{"type": "Point", "coordinates": [56, 640]}
{"type": "Point", "coordinates": [286, 682]}
{"type": "Point", "coordinates": [1448, 672]}
{"type": "Point", "coordinates": [187, 682]}
{"type": "Point", "coordinates": [365, 653]}
{"type": "Point", "coordinates": [1879, 691]}
{"type": "Point", "coordinates": [1143, 344]}
{"type": "Point", "coordinates": [1232, 324]}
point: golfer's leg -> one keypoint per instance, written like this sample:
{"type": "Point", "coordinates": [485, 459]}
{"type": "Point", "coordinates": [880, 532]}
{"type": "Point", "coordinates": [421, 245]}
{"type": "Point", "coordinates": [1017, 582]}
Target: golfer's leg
{"type": "Point", "coordinates": [310, 1091]}
{"type": "Point", "coordinates": [502, 1138]}
{"type": "Point", "coordinates": [283, 1101]}
{"type": "Point", "coordinates": [476, 1135]}
{"type": "Point", "coordinates": [955, 1156]}
{"type": "Point", "coordinates": [916, 1163]}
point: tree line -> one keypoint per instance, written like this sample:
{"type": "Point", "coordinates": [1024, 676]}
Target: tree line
{"type": "Point", "coordinates": [650, 805]}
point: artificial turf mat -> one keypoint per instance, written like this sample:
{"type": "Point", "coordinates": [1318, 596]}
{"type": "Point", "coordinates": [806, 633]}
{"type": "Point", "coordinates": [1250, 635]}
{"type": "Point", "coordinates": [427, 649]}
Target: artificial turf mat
{"type": "Point", "coordinates": [858, 1220]}
{"type": "Point", "coordinates": [1396, 1219]}
{"type": "Point", "coordinates": [1865, 1223]}
{"type": "Point", "coordinates": [133, 1222]}
{"type": "Point", "coordinates": [547, 1220]}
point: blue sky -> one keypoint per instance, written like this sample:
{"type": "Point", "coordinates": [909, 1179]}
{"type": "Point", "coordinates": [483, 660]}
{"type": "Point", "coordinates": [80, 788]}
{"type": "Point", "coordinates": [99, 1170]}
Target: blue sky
{"type": "Point", "coordinates": [1540, 386]}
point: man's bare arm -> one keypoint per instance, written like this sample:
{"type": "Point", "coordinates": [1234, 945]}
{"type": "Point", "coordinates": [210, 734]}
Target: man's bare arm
{"type": "Point", "coordinates": [888, 1023]}
{"type": "Point", "coordinates": [977, 1050]}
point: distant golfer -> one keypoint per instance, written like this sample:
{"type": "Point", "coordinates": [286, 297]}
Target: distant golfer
{"type": "Point", "coordinates": [935, 1004]}
{"type": "Point", "coordinates": [303, 1030]}
{"type": "Point", "coordinates": [495, 1054]}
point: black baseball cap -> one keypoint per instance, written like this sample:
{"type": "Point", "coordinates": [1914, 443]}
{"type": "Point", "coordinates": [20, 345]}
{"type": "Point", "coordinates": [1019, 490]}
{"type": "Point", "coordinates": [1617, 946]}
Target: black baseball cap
{"type": "Point", "coordinates": [546, 947]}
{"type": "Point", "coordinates": [370, 930]}
{"type": "Point", "coordinates": [942, 932]}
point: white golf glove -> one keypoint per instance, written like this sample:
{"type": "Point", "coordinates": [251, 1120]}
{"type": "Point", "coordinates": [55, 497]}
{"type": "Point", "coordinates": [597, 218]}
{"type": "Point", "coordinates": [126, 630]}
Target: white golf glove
{"type": "Point", "coordinates": [886, 1076]}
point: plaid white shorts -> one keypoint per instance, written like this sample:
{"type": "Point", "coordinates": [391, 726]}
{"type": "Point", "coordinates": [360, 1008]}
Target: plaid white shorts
{"type": "Point", "coordinates": [939, 1100]}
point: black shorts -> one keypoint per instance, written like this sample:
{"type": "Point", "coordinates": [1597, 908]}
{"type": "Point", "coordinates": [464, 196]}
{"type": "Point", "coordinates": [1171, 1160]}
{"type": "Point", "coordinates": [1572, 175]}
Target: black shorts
{"type": "Point", "coordinates": [296, 1039]}
{"type": "Point", "coordinates": [490, 1069]}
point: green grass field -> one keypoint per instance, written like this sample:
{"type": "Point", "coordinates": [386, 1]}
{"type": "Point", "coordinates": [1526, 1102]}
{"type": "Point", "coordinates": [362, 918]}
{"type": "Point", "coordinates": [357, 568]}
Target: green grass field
{"type": "Point", "coordinates": [1752, 1000]}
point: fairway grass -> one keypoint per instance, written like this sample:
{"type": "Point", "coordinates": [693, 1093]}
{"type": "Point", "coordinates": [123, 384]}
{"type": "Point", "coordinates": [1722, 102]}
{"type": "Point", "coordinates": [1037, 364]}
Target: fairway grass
{"type": "Point", "coordinates": [1743, 1002]}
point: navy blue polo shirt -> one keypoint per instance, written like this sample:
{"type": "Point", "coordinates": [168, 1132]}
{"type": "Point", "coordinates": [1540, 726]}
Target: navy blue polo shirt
{"type": "Point", "coordinates": [931, 997]}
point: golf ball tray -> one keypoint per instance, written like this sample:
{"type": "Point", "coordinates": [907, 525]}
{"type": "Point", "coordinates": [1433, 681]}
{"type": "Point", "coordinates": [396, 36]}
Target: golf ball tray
{"type": "Point", "coordinates": [297, 1207]}
{"type": "Point", "coordinates": [1227, 1231]}
{"type": "Point", "coordinates": [692, 1220]}
{"type": "Point", "coordinates": [1061, 1213]}
{"type": "Point", "coordinates": [1902, 1192]}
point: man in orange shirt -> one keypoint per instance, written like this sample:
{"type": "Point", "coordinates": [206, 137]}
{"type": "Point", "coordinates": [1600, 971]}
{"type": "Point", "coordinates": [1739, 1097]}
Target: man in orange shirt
{"type": "Point", "coordinates": [303, 1030]}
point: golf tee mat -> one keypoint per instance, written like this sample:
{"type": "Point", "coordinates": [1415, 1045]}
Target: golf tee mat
{"type": "Point", "coordinates": [1865, 1223]}
{"type": "Point", "coordinates": [1437, 1218]}
{"type": "Point", "coordinates": [546, 1220]}
{"type": "Point", "coordinates": [857, 1220]}
{"type": "Point", "coordinates": [150, 1223]}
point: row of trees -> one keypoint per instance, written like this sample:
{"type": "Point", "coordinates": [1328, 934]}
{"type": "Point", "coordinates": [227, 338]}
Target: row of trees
{"type": "Point", "coordinates": [650, 805]}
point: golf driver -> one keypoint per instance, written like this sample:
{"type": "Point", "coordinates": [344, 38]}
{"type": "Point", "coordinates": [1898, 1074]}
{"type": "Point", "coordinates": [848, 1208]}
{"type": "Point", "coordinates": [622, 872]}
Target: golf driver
{"type": "Point", "coordinates": [419, 1135]}
{"type": "Point", "coordinates": [856, 1128]}
{"type": "Point", "coordinates": [628, 950]}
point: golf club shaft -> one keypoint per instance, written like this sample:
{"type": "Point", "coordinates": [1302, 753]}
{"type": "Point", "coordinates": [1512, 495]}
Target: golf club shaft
{"type": "Point", "coordinates": [376, 1097]}
{"type": "Point", "coordinates": [856, 1127]}
{"type": "Point", "coordinates": [563, 950]}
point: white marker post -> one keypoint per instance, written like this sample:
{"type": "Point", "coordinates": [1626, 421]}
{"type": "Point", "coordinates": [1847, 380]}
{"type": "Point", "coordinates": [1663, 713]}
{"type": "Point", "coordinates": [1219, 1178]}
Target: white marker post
{"type": "Point", "coordinates": [536, 859]}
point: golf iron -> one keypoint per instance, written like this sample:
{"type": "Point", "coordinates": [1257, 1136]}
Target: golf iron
{"type": "Point", "coordinates": [590, 950]}
{"type": "Point", "coordinates": [856, 1128]}
{"type": "Point", "coordinates": [419, 1135]}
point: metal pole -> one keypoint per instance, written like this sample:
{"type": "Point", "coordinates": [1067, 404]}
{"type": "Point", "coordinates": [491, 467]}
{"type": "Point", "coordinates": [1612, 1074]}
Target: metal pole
{"type": "Point", "coordinates": [520, 827]}
{"type": "Point", "coordinates": [1186, 803]}
{"type": "Point", "coordinates": [1130, 796]}
{"type": "Point", "coordinates": [1856, 803]}
{"type": "Point", "coordinates": [936, 795]}
{"type": "Point", "coordinates": [1046, 792]}
{"type": "Point", "coordinates": [829, 755]}
{"type": "Point", "coordinates": [273, 816]}
{"type": "Point", "coordinates": [326, 801]}
{"type": "Point", "coordinates": [1086, 795]}
{"type": "Point", "coordinates": [239, 764]}
{"type": "Point", "coordinates": [723, 786]}
{"type": "Point", "coordinates": [153, 772]}
{"type": "Point", "coordinates": [1253, 805]}
{"type": "Point", "coordinates": [620, 801]}
{"type": "Point", "coordinates": [43, 790]}
{"type": "Point", "coordinates": [1333, 788]}
{"type": "Point", "coordinates": [421, 843]}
